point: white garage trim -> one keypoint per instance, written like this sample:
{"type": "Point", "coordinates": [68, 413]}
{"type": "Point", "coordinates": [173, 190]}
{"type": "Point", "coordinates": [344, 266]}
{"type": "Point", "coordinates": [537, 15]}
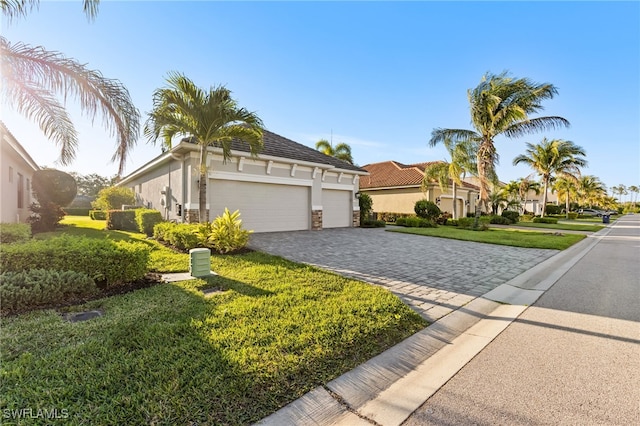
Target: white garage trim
{"type": "Point", "coordinates": [338, 186]}
{"type": "Point", "coordinates": [260, 179]}
{"type": "Point", "coordinates": [264, 207]}
{"type": "Point", "coordinates": [336, 208]}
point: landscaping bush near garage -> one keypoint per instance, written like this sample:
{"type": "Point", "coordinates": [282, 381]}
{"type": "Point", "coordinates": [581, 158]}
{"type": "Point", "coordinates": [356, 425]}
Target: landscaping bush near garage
{"type": "Point", "coordinates": [14, 232]}
{"type": "Point", "coordinates": [107, 262]}
{"type": "Point", "coordinates": [146, 219]}
{"type": "Point", "coordinates": [572, 216]}
{"type": "Point", "coordinates": [34, 288]}
{"type": "Point", "coordinates": [551, 220]}
{"type": "Point", "coordinates": [370, 223]}
{"type": "Point", "coordinates": [390, 217]}
{"type": "Point", "coordinates": [415, 222]}
{"type": "Point", "coordinates": [224, 235]}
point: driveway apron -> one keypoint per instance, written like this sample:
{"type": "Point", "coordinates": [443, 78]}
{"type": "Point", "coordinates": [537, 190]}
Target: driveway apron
{"type": "Point", "coordinates": [434, 276]}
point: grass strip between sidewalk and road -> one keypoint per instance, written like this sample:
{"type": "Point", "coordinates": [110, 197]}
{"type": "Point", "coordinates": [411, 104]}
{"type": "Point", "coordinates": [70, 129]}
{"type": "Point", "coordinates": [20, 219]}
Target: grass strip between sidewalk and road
{"type": "Point", "coordinates": [168, 354]}
{"type": "Point", "coordinates": [507, 237]}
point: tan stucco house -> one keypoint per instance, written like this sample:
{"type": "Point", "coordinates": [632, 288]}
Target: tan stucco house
{"type": "Point", "coordinates": [17, 173]}
{"type": "Point", "coordinates": [288, 187]}
{"type": "Point", "coordinates": [395, 187]}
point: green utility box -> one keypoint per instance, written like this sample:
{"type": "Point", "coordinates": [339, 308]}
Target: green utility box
{"type": "Point", "coordinates": [200, 262]}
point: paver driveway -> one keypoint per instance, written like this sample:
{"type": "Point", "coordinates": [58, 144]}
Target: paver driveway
{"type": "Point", "coordinates": [432, 275]}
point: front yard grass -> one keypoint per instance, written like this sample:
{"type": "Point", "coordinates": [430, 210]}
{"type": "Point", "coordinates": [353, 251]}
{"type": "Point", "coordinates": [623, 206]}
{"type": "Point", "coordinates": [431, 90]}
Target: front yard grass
{"type": "Point", "coordinates": [507, 237]}
{"type": "Point", "coordinates": [169, 355]}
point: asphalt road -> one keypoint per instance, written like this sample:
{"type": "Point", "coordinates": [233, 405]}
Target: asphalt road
{"type": "Point", "coordinates": [573, 358]}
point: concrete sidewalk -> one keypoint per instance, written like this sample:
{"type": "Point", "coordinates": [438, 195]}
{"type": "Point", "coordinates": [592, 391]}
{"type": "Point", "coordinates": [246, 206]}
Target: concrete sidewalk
{"type": "Point", "coordinates": [387, 389]}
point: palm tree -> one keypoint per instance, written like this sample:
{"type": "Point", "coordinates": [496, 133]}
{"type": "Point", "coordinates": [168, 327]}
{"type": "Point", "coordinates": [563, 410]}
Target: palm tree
{"type": "Point", "coordinates": [33, 76]}
{"type": "Point", "coordinates": [550, 158]}
{"type": "Point", "coordinates": [591, 190]}
{"type": "Point", "coordinates": [502, 199]}
{"type": "Point", "coordinates": [620, 190]}
{"type": "Point", "coordinates": [342, 151]}
{"type": "Point", "coordinates": [634, 190]}
{"type": "Point", "coordinates": [210, 119]}
{"type": "Point", "coordinates": [500, 105]}
{"type": "Point", "coordinates": [462, 162]}
{"type": "Point", "coordinates": [566, 187]}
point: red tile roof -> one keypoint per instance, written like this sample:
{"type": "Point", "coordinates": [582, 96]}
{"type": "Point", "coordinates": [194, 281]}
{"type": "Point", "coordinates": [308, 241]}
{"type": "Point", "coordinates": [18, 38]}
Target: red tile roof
{"type": "Point", "coordinates": [391, 173]}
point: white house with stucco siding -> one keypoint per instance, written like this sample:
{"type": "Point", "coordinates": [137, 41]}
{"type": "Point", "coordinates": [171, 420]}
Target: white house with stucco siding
{"type": "Point", "coordinates": [17, 168]}
{"type": "Point", "coordinates": [287, 187]}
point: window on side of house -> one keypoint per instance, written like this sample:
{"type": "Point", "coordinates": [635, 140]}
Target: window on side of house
{"type": "Point", "coordinates": [20, 191]}
{"type": "Point", "coordinates": [10, 174]}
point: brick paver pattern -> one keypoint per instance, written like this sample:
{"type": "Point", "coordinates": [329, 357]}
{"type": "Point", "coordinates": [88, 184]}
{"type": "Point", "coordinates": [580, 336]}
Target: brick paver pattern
{"type": "Point", "coordinates": [432, 275]}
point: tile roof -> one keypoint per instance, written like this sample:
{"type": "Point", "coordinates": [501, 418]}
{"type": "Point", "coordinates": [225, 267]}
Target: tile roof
{"type": "Point", "coordinates": [279, 146]}
{"type": "Point", "coordinates": [392, 173]}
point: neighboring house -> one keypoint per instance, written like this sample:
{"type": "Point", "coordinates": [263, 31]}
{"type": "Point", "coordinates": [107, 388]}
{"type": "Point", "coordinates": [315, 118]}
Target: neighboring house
{"type": "Point", "coordinates": [395, 187]}
{"type": "Point", "coordinates": [288, 187]}
{"type": "Point", "coordinates": [17, 172]}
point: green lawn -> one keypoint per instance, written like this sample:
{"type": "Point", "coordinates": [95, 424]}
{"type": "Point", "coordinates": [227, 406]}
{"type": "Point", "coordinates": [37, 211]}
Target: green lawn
{"type": "Point", "coordinates": [507, 237]}
{"type": "Point", "coordinates": [169, 355]}
{"type": "Point", "coordinates": [569, 226]}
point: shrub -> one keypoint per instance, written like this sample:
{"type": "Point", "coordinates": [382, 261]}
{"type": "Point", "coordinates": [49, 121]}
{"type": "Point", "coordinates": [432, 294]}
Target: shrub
{"type": "Point", "coordinates": [390, 217]}
{"type": "Point", "coordinates": [415, 222]}
{"type": "Point", "coordinates": [443, 218]}
{"type": "Point", "coordinates": [106, 261]}
{"type": "Point", "coordinates": [366, 204]}
{"type": "Point", "coordinates": [98, 214]}
{"type": "Point", "coordinates": [122, 220]}
{"type": "Point", "coordinates": [54, 186]}
{"type": "Point", "coordinates": [552, 209]}
{"type": "Point", "coordinates": [526, 218]}
{"type": "Point", "coordinates": [545, 220]}
{"type": "Point", "coordinates": [41, 287]}
{"type": "Point", "coordinates": [373, 224]}
{"type": "Point", "coordinates": [161, 229]}
{"type": "Point", "coordinates": [500, 220]}
{"type": "Point", "coordinates": [469, 223]}
{"type": "Point", "coordinates": [452, 222]}
{"type": "Point", "coordinates": [45, 216]}
{"type": "Point", "coordinates": [512, 215]}
{"type": "Point", "coordinates": [77, 211]}
{"type": "Point", "coordinates": [227, 233]}
{"type": "Point", "coordinates": [14, 232]}
{"type": "Point", "coordinates": [572, 216]}
{"type": "Point", "coordinates": [113, 198]}
{"type": "Point", "coordinates": [146, 219]}
{"type": "Point", "coordinates": [426, 209]}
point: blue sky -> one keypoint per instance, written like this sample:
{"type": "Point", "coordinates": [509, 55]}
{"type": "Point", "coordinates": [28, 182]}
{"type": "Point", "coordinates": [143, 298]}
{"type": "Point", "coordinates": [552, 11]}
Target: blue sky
{"type": "Point", "coordinates": [379, 76]}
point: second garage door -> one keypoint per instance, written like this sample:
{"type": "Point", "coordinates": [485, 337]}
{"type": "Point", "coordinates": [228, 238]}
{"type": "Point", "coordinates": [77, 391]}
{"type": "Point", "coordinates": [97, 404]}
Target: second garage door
{"type": "Point", "coordinates": [336, 208]}
{"type": "Point", "coordinates": [263, 207]}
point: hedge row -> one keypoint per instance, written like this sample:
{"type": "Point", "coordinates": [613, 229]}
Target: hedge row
{"type": "Point", "coordinates": [41, 287]}
{"type": "Point", "coordinates": [107, 262]}
{"type": "Point", "coordinates": [415, 222]}
{"type": "Point", "coordinates": [77, 211]}
{"type": "Point", "coordinates": [98, 214]}
{"type": "Point", "coordinates": [14, 232]}
{"type": "Point", "coordinates": [134, 220]}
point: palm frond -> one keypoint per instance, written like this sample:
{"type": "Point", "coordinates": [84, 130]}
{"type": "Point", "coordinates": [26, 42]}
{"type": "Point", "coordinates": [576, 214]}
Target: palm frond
{"type": "Point", "coordinates": [42, 107]}
{"type": "Point", "coordinates": [96, 94]}
{"type": "Point", "coordinates": [439, 135]}
{"type": "Point", "coordinates": [536, 125]}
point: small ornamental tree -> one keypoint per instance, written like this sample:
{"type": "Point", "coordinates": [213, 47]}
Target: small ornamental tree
{"type": "Point", "coordinates": [53, 189]}
{"type": "Point", "coordinates": [366, 205]}
{"type": "Point", "coordinates": [427, 209]}
{"type": "Point", "coordinates": [113, 198]}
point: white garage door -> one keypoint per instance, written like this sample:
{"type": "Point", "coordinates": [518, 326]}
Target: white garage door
{"type": "Point", "coordinates": [263, 207]}
{"type": "Point", "coordinates": [336, 208]}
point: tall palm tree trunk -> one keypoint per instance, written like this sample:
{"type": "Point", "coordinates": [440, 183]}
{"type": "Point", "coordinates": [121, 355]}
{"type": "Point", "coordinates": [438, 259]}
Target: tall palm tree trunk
{"type": "Point", "coordinates": [545, 179]}
{"type": "Point", "coordinates": [202, 196]}
{"type": "Point", "coordinates": [455, 201]}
